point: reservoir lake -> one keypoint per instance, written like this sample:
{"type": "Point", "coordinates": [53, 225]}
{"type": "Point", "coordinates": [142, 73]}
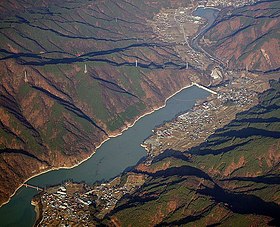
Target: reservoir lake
{"type": "Point", "coordinates": [111, 159]}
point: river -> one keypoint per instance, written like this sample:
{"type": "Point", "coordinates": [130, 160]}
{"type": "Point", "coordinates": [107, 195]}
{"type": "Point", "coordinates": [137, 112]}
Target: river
{"type": "Point", "coordinates": [210, 14]}
{"type": "Point", "coordinates": [111, 159]}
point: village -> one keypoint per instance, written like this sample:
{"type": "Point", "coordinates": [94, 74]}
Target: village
{"type": "Point", "coordinates": [65, 205]}
{"type": "Point", "coordinates": [181, 26]}
{"type": "Point", "coordinates": [108, 194]}
{"type": "Point", "coordinates": [193, 127]}
{"type": "Point", "coordinates": [71, 203]}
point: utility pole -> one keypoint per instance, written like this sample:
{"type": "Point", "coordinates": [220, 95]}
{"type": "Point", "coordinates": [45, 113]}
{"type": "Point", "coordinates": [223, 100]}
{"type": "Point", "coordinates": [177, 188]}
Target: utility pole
{"type": "Point", "coordinates": [136, 63]}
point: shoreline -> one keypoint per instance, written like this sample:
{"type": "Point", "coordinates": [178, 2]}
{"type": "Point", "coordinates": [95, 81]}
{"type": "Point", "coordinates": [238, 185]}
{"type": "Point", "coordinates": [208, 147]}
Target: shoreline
{"type": "Point", "coordinates": [37, 210]}
{"type": "Point", "coordinates": [152, 111]}
{"type": "Point", "coordinates": [101, 143]}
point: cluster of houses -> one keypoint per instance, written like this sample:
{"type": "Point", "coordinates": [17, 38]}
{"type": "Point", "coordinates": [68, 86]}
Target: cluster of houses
{"type": "Point", "coordinates": [162, 22]}
{"type": "Point", "coordinates": [63, 208]}
{"type": "Point", "coordinates": [204, 118]}
{"type": "Point", "coordinates": [108, 196]}
{"type": "Point", "coordinates": [183, 15]}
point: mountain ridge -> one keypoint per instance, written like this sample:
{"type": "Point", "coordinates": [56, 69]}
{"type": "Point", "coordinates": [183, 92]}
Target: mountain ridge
{"type": "Point", "coordinates": [54, 113]}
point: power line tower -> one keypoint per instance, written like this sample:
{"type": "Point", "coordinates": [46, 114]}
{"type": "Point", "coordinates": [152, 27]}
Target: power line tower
{"type": "Point", "coordinates": [25, 77]}
{"type": "Point", "coordinates": [85, 71]}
